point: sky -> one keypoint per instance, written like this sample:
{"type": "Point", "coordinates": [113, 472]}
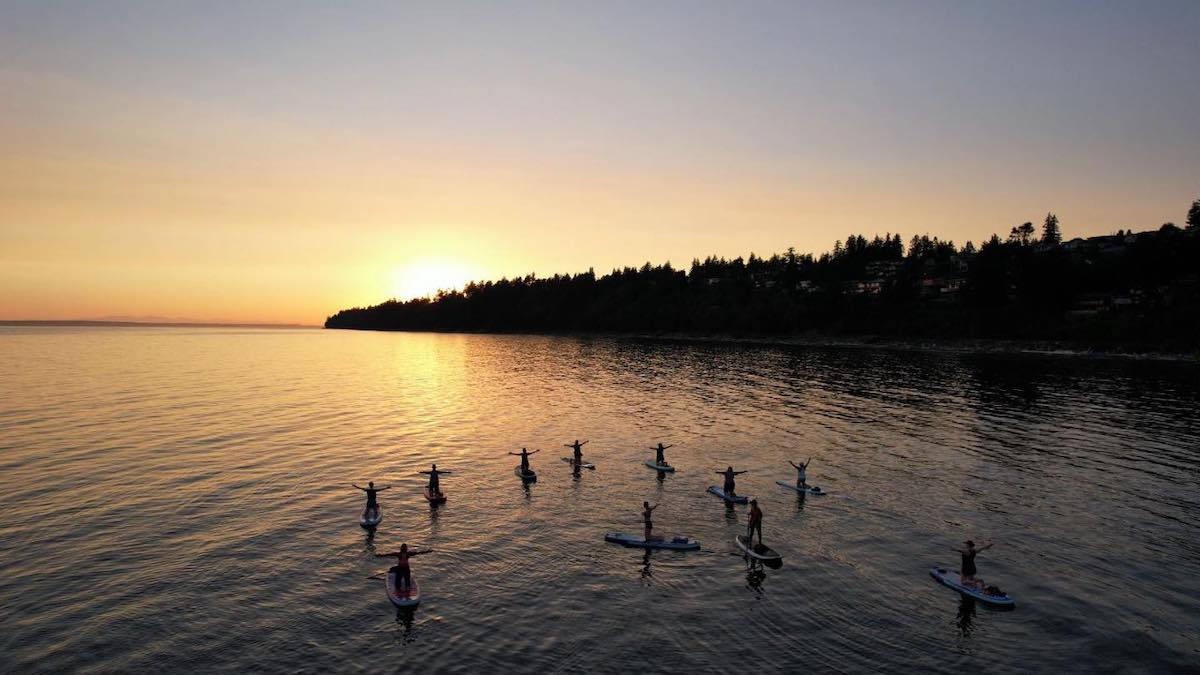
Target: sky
{"type": "Point", "coordinates": [278, 161]}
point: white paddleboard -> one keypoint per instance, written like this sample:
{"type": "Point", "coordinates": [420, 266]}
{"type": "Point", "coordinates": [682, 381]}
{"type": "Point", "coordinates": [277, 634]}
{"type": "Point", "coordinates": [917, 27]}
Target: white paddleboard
{"type": "Point", "coordinates": [403, 597]}
{"type": "Point", "coordinates": [735, 499]}
{"type": "Point", "coordinates": [760, 551]}
{"type": "Point", "coordinates": [530, 475]}
{"type": "Point", "coordinates": [673, 543]}
{"type": "Point", "coordinates": [812, 489]}
{"type": "Point", "coordinates": [952, 579]}
{"type": "Point", "coordinates": [666, 468]}
{"type": "Point", "coordinates": [371, 522]}
{"type": "Point", "coordinates": [582, 465]}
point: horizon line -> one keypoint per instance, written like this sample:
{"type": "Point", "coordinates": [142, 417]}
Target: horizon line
{"type": "Point", "coordinates": [150, 324]}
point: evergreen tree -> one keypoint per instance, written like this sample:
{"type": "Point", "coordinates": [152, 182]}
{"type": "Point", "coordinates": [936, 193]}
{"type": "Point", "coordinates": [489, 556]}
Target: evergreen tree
{"type": "Point", "coordinates": [1193, 217]}
{"type": "Point", "coordinates": [1050, 232]}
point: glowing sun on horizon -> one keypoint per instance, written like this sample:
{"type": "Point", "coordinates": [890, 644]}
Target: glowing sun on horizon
{"type": "Point", "coordinates": [426, 277]}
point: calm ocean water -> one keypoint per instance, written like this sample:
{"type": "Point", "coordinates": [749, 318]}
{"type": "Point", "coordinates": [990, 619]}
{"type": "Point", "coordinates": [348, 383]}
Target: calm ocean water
{"type": "Point", "coordinates": [179, 499]}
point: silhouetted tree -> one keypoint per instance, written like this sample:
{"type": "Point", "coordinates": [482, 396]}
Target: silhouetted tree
{"type": "Point", "coordinates": [1050, 232]}
{"type": "Point", "coordinates": [1021, 234]}
{"type": "Point", "coordinates": [1193, 216]}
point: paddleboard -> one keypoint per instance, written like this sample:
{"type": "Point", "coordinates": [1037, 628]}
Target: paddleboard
{"type": "Point", "coordinates": [812, 489]}
{"type": "Point", "coordinates": [582, 465]}
{"type": "Point", "coordinates": [439, 498]}
{"type": "Point", "coordinates": [371, 522]}
{"type": "Point", "coordinates": [531, 475]}
{"type": "Point", "coordinates": [760, 551]}
{"type": "Point", "coordinates": [673, 543]}
{"type": "Point", "coordinates": [952, 579]}
{"type": "Point", "coordinates": [735, 499]}
{"type": "Point", "coordinates": [665, 468]}
{"type": "Point", "coordinates": [403, 597]}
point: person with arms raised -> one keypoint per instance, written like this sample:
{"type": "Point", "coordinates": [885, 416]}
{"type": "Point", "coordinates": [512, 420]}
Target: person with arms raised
{"type": "Point", "coordinates": [372, 509]}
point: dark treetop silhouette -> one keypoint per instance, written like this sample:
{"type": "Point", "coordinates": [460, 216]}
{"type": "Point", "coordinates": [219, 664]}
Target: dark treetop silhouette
{"type": "Point", "coordinates": [1129, 290]}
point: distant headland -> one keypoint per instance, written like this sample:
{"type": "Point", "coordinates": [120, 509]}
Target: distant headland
{"type": "Point", "coordinates": [1129, 290]}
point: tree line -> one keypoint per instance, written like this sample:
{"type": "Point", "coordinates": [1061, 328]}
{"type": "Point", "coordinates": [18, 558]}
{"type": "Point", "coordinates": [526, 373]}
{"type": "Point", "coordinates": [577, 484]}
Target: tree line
{"type": "Point", "coordinates": [1125, 288]}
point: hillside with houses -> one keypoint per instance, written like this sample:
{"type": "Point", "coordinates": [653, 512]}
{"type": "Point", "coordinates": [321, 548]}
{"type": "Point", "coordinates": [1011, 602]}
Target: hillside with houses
{"type": "Point", "coordinates": [1135, 290]}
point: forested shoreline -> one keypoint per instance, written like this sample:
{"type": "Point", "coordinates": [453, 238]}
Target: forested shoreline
{"type": "Point", "coordinates": [1135, 290]}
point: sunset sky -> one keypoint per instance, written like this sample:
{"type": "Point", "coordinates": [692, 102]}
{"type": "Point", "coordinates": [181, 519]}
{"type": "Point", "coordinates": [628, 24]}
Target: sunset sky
{"type": "Point", "coordinates": [280, 161]}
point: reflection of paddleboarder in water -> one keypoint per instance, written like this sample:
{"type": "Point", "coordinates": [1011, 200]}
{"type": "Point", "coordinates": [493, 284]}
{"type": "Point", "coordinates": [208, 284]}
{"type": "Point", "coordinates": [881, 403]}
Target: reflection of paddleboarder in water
{"type": "Point", "coordinates": [754, 523]}
{"type": "Point", "coordinates": [967, 572]}
{"type": "Point", "coordinates": [729, 486]}
{"type": "Point", "coordinates": [646, 511]}
{"type": "Point", "coordinates": [524, 454]}
{"type": "Point", "coordinates": [435, 487]}
{"type": "Point", "coordinates": [578, 447]}
{"type": "Point", "coordinates": [658, 454]}
{"type": "Point", "coordinates": [801, 477]}
{"type": "Point", "coordinates": [403, 574]}
{"type": "Point", "coordinates": [372, 492]}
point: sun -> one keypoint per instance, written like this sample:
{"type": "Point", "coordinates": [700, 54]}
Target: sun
{"type": "Point", "coordinates": [424, 278]}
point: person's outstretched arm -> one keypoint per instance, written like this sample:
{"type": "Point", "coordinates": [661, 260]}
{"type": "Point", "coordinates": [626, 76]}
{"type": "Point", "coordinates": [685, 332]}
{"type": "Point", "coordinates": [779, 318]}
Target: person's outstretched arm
{"type": "Point", "coordinates": [363, 489]}
{"type": "Point", "coordinates": [535, 452]}
{"type": "Point", "coordinates": [668, 446]}
{"type": "Point", "coordinates": [383, 488]}
{"type": "Point", "coordinates": [515, 453]}
{"type": "Point", "coordinates": [388, 555]}
{"type": "Point", "coordinates": [428, 550]}
{"type": "Point", "coordinates": [794, 465]}
{"type": "Point", "coordinates": [738, 473]}
{"type": "Point", "coordinates": [584, 443]}
{"type": "Point", "coordinates": [986, 546]}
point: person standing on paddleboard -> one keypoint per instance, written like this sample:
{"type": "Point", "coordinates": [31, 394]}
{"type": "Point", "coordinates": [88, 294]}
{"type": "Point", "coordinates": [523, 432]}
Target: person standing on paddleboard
{"type": "Point", "coordinates": [967, 572]}
{"type": "Point", "coordinates": [372, 491]}
{"type": "Point", "coordinates": [403, 573]}
{"type": "Point", "coordinates": [658, 454]}
{"type": "Point", "coordinates": [801, 476]}
{"type": "Point", "coordinates": [434, 485]}
{"type": "Point", "coordinates": [578, 447]}
{"type": "Point", "coordinates": [524, 454]}
{"type": "Point", "coordinates": [754, 523]}
{"type": "Point", "coordinates": [730, 486]}
{"type": "Point", "coordinates": [646, 511]}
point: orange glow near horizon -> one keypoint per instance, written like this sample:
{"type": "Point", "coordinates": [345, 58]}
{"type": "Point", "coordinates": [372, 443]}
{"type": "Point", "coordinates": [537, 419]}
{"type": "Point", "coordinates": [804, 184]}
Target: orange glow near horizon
{"type": "Point", "coordinates": [424, 278]}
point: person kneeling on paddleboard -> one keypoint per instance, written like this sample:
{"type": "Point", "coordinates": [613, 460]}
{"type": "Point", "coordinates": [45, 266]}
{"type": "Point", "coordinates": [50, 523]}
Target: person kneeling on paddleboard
{"type": "Point", "coordinates": [801, 477]}
{"type": "Point", "coordinates": [403, 574]}
{"type": "Point", "coordinates": [968, 571]}
{"type": "Point", "coordinates": [372, 491]}
{"type": "Point", "coordinates": [729, 473]}
{"type": "Point", "coordinates": [646, 511]}
{"type": "Point", "coordinates": [754, 523]}
{"type": "Point", "coordinates": [434, 485]}
{"type": "Point", "coordinates": [658, 454]}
